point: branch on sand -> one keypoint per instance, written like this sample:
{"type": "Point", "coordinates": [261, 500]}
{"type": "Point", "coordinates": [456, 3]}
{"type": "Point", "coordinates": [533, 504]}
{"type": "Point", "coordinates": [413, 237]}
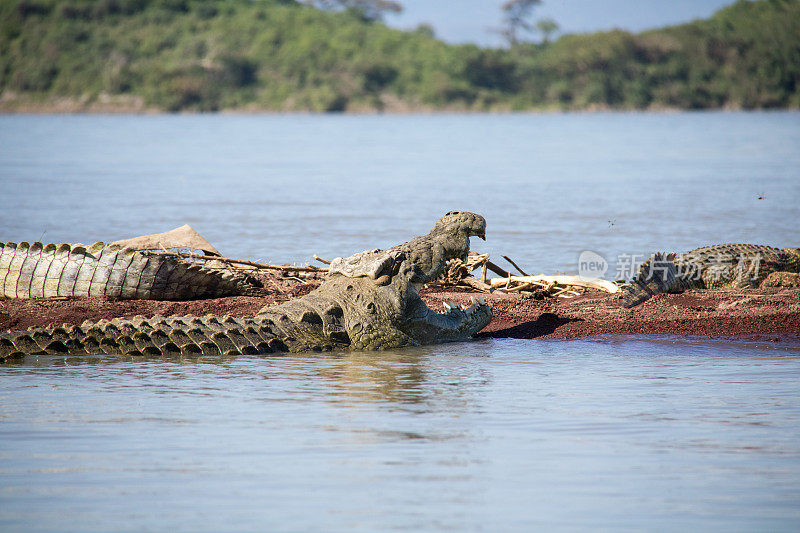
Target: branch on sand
{"type": "Point", "coordinates": [267, 266]}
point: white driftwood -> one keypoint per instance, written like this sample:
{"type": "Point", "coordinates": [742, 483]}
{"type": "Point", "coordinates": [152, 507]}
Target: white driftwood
{"type": "Point", "coordinates": [570, 281]}
{"type": "Point", "coordinates": [476, 284]}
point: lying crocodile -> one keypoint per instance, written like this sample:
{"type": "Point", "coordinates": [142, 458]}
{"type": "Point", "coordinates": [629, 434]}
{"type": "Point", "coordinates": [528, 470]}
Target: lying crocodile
{"type": "Point", "coordinates": [369, 301]}
{"type": "Point", "coordinates": [710, 267]}
{"type": "Point", "coordinates": [39, 270]}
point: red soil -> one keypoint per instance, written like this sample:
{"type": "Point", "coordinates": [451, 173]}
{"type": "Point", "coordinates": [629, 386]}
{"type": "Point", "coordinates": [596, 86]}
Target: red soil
{"type": "Point", "coordinates": [699, 312]}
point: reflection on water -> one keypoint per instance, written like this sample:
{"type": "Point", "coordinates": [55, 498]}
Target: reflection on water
{"type": "Point", "coordinates": [493, 434]}
{"type": "Point", "coordinates": [396, 377]}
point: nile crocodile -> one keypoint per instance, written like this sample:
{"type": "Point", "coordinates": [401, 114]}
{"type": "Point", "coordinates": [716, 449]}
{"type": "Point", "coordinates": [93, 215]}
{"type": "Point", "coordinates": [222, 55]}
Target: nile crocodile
{"type": "Point", "coordinates": [368, 301]}
{"type": "Point", "coordinates": [48, 270]}
{"type": "Point", "coordinates": [710, 267]}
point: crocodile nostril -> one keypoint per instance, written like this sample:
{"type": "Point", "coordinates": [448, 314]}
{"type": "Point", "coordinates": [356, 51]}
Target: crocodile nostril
{"type": "Point", "coordinates": [340, 337]}
{"type": "Point", "coordinates": [311, 318]}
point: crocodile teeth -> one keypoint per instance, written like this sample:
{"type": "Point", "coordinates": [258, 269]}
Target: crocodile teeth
{"type": "Point", "coordinates": [447, 306]}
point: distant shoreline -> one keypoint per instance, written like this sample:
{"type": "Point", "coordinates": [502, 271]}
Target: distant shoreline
{"type": "Point", "coordinates": [290, 57]}
{"type": "Point", "coordinates": [134, 106]}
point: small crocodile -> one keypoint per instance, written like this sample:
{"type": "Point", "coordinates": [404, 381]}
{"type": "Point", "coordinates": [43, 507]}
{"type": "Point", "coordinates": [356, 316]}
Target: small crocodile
{"type": "Point", "coordinates": [368, 301]}
{"type": "Point", "coordinates": [47, 270]}
{"type": "Point", "coordinates": [709, 267]}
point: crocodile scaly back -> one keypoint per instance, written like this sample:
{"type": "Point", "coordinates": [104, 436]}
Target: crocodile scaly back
{"type": "Point", "coordinates": [46, 270]}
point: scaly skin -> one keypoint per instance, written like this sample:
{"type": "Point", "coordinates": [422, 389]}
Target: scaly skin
{"type": "Point", "coordinates": [369, 301]}
{"type": "Point", "coordinates": [41, 271]}
{"type": "Point", "coordinates": [710, 267]}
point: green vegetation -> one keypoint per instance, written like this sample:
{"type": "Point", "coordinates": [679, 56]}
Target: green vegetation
{"type": "Point", "coordinates": [207, 55]}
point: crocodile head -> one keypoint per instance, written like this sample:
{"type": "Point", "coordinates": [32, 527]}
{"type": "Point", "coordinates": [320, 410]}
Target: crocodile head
{"type": "Point", "coordinates": [371, 300]}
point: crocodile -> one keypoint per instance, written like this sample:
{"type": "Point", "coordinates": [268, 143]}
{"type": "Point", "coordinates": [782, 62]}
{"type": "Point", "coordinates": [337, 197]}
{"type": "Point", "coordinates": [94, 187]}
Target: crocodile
{"type": "Point", "coordinates": [368, 301]}
{"type": "Point", "coordinates": [709, 267]}
{"type": "Point", "coordinates": [48, 270]}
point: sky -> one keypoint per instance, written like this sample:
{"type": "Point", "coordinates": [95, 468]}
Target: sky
{"type": "Point", "coordinates": [470, 21]}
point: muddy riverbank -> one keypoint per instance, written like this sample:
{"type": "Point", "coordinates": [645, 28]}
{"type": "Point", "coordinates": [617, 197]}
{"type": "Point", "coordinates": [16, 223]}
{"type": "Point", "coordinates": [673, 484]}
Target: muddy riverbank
{"type": "Point", "coordinates": [726, 312]}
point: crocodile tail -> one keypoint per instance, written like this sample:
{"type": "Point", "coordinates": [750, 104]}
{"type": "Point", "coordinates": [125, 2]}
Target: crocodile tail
{"type": "Point", "coordinates": [43, 271]}
{"type": "Point", "coordinates": [167, 336]}
{"type": "Point", "coordinates": [657, 275]}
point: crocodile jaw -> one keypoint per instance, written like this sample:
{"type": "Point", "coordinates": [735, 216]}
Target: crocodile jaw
{"type": "Point", "coordinates": [463, 321]}
{"type": "Point", "coordinates": [455, 323]}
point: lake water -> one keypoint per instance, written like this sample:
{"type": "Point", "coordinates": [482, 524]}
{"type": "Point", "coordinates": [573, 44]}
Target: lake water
{"type": "Point", "coordinates": [614, 433]}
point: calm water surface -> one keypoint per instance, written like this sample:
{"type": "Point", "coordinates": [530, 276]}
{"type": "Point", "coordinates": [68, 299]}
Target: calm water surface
{"type": "Point", "coordinates": [617, 433]}
{"type": "Point", "coordinates": [285, 187]}
{"type": "Point", "coordinates": [496, 435]}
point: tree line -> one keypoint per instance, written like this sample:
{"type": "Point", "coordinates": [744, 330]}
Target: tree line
{"type": "Point", "coordinates": [337, 55]}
